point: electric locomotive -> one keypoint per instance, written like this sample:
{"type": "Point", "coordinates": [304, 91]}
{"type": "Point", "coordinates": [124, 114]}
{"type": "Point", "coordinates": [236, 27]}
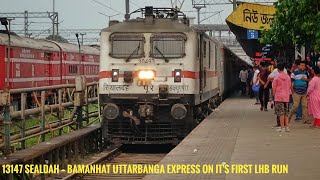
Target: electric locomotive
{"type": "Point", "coordinates": [158, 77]}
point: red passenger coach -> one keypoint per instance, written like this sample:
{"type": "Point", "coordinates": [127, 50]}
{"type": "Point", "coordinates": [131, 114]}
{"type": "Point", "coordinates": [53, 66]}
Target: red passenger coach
{"type": "Point", "coordinates": [37, 63]}
{"type": "Point", "coordinates": [2, 67]}
{"type": "Point", "coordinates": [70, 62]}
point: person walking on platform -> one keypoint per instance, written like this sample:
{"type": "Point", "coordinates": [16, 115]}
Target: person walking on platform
{"type": "Point", "coordinates": [299, 90]}
{"type": "Point", "coordinates": [243, 75]}
{"type": "Point", "coordinates": [281, 90]}
{"type": "Point", "coordinates": [255, 83]}
{"type": "Point", "coordinates": [264, 87]}
{"type": "Point", "coordinates": [314, 97]}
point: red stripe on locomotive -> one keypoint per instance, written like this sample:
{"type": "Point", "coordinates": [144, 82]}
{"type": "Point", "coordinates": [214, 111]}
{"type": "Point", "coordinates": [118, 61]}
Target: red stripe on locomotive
{"type": "Point", "coordinates": [186, 74]}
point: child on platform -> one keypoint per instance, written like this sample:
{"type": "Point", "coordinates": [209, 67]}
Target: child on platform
{"type": "Point", "coordinates": [314, 97]}
{"type": "Point", "coordinates": [281, 90]}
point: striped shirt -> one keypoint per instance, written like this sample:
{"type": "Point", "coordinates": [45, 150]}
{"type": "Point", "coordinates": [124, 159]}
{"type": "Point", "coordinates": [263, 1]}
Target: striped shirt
{"type": "Point", "coordinates": [299, 86]}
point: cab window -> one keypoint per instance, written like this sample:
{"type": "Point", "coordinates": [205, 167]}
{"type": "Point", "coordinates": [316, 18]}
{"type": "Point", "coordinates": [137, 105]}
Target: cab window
{"type": "Point", "coordinates": [124, 45]}
{"type": "Point", "coordinates": [168, 45]}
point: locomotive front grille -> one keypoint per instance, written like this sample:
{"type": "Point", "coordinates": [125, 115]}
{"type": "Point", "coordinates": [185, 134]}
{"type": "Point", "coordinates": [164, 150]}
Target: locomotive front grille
{"type": "Point", "coordinates": [125, 132]}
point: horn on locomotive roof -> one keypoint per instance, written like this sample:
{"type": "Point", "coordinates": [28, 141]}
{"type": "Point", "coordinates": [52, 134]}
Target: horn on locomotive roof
{"type": "Point", "coordinates": [148, 11]}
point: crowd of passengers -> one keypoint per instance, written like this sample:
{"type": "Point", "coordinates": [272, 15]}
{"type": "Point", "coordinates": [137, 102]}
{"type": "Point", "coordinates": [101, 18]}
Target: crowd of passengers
{"type": "Point", "coordinates": [289, 89]}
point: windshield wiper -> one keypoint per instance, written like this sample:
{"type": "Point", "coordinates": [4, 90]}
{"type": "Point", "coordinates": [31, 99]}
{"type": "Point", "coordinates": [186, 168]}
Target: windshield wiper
{"type": "Point", "coordinates": [164, 57]}
{"type": "Point", "coordinates": [134, 51]}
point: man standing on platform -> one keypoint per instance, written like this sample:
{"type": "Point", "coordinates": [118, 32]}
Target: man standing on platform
{"type": "Point", "coordinates": [299, 89]}
{"type": "Point", "coordinates": [243, 75]}
{"type": "Point", "coordinates": [264, 86]}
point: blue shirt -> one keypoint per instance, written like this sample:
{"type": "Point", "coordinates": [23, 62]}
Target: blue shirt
{"type": "Point", "coordinates": [299, 86]}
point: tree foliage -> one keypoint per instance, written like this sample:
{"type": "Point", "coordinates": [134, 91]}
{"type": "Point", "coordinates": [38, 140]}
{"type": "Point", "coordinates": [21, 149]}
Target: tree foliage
{"type": "Point", "coordinates": [295, 22]}
{"type": "Point", "coordinates": [57, 38]}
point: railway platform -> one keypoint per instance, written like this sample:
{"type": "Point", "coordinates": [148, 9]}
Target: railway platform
{"type": "Point", "coordinates": [238, 135]}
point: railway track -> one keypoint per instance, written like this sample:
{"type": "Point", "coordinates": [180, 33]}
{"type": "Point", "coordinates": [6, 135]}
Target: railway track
{"type": "Point", "coordinates": [127, 158]}
{"type": "Point", "coordinates": [124, 155]}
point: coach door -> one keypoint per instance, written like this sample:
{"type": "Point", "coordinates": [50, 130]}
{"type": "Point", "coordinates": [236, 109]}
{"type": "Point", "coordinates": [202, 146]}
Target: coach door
{"type": "Point", "coordinates": [48, 68]}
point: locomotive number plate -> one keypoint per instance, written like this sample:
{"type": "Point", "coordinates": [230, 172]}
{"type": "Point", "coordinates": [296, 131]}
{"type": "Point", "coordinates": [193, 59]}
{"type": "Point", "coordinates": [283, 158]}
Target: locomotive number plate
{"type": "Point", "coordinates": [147, 61]}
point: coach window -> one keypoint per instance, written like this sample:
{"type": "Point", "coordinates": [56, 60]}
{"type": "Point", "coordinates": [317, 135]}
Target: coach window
{"type": "Point", "coordinates": [48, 55]}
{"type": "Point", "coordinates": [125, 45]}
{"type": "Point", "coordinates": [73, 69]}
{"type": "Point", "coordinates": [168, 45]}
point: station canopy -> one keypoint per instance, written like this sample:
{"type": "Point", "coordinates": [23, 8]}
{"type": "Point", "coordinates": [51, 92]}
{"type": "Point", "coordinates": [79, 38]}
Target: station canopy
{"type": "Point", "coordinates": [247, 22]}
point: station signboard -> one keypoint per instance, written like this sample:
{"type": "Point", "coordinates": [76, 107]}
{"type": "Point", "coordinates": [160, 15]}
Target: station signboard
{"type": "Point", "coordinates": [252, 16]}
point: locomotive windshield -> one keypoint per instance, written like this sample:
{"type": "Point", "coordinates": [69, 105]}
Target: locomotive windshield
{"type": "Point", "coordinates": [125, 45]}
{"type": "Point", "coordinates": [168, 45]}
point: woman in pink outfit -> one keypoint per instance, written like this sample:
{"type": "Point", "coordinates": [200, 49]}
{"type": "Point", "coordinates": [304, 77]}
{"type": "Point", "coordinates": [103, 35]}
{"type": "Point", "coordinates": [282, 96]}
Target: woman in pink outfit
{"type": "Point", "coordinates": [314, 97]}
{"type": "Point", "coordinates": [281, 89]}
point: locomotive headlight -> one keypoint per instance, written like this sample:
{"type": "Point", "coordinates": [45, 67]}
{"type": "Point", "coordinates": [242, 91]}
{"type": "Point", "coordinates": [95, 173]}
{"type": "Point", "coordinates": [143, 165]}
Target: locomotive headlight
{"type": "Point", "coordinates": [177, 75]}
{"type": "Point", "coordinates": [115, 75]}
{"type": "Point", "coordinates": [146, 74]}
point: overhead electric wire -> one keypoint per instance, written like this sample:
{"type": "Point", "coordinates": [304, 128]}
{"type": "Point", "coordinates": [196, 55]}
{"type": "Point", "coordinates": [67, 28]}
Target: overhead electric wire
{"type": "Point", "coordinates": [107, 6]}
{"type": "Point", "coordinates": [135, 4]}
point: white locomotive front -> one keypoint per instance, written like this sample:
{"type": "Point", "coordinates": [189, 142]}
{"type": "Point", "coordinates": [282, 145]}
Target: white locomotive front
{"type": "Point", "coordinates": [158, 76]}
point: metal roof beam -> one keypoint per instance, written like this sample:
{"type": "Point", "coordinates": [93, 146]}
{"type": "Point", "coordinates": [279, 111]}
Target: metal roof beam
{"type": "Point", "coordinates": [224, 2]}
{"type": "Point", "coordinates": [212, 27]}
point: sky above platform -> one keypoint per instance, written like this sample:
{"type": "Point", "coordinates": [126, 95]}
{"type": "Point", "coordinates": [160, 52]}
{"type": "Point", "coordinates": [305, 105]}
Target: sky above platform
{"type": "Point", "coordinates": [87, 14]}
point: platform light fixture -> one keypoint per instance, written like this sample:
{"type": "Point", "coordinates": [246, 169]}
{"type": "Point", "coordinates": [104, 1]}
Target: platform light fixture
{"type": "Point", "coordinates": [4, 22]}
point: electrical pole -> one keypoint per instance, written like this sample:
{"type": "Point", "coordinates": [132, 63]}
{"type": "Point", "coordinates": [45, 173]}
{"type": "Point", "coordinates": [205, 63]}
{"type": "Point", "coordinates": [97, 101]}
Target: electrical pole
{"type": "Point", "coordinates": [9, 50]}
{"type": "Point", "coordinates": [82, 34]}
{"type": "Point", "coordinates": [26, 24]}
{"type": "Point", "coordinates": [198, 7]}
{"type": "Point", "coordinates": [234, 2]}
{"type": "Point", "coordinates": [77, 35]}
{"type": "Point", "coordinates": [53, 6]}
{"type": "Point", "coordinates": [127, 10]}
{"type": "Point", "coordinates": [198, 14]}
{"type": "Point", "coordinates": [55, 21]}
{"type": "Point", "coordinates": [53, 10]}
